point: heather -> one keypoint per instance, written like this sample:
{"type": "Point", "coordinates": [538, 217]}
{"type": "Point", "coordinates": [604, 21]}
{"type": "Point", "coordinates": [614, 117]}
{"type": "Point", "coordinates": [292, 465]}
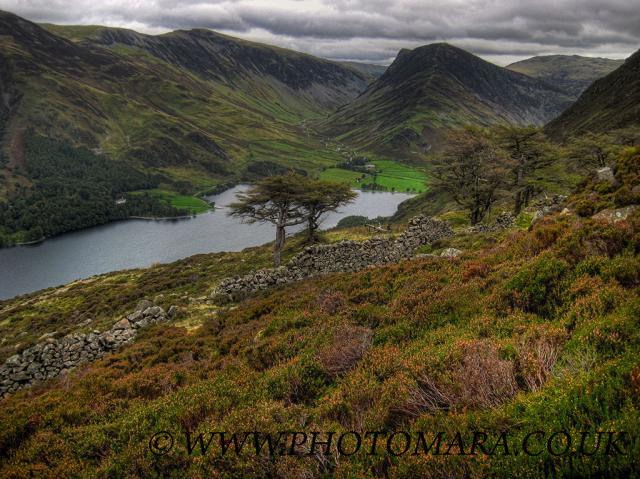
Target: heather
{"type": "Point", "coordinates": [530, 329]}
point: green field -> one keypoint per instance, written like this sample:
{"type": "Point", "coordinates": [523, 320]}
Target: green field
{"type": "Point", "coordinates": [391, 175]}
{"type": "Point", "coordinates": [340, 175]}
{"type": "Point", "coordinates": [190, 203]}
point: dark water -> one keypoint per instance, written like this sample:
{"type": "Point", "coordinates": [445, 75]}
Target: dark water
{"type": "Point", "coordinates": [140, 243]}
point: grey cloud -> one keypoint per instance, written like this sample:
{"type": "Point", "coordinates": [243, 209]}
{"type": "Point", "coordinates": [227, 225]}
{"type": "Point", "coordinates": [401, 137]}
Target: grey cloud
{"type": "Point", "coordinates": [374, 30]}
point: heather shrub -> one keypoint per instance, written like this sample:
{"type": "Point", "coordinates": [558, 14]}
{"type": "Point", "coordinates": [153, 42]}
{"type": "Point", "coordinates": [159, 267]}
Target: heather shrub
{"type": "Point", "coordinates": [590, 298]}
{"type": "Point", "coordinates": [595, 238]}
{"type": "Point", "coordinates": [615, 332]}
{"type": "Point", "coordinates": [350, 404]}
{"type": "Point", "coordinates": [331, 302]}
{"type": "Point", "coordinates": [538, 350]}
{"type": "Point", "coordinates": [299, 382]}
{"type": "Point", "coordinates": [581, 359]}
{"type": "Point", "coordinates": [348, 346]}
{"type": "Point", "coordinates": [479, 377]}
{"type": "Point", "coordinates": [475, 269]}
{"type": "Point", "coordinates": [536, 288]}
{"type": "Point", "coordinates": [624, 268]}
{"type": "Point", "coordinates": [424, 395]}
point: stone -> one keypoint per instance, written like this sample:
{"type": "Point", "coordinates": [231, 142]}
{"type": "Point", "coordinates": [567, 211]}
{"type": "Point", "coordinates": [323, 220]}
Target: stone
{"type": "Point", "coordinates": [143, 304]}
{"type": "Point", "coordinates": [537, 216]}
{"type": "Point", "coordinates": [122, 324]}
{"type": "Point", "coordinates": [46, 336]}
{"type": "Point", "coordinates": [615, 215]}
{"type": "Point", "coordinates": [606, 174]}
{"type": "Point", "coordinates": [52, 357]}
{"type": "Point", "coordinates": [22, 376]}
{"type": "Point", "coordinates": [154, 311]}
{"type": "Point", "coordinates": [342, 256]}
{"type": "Point", "coordinates": [450, 253]}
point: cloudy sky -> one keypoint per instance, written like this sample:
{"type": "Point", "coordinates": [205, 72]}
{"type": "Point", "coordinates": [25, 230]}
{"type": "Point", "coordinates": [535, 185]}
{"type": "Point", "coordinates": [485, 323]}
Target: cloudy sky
{"type": "Point", "coordinates": [373, 31]}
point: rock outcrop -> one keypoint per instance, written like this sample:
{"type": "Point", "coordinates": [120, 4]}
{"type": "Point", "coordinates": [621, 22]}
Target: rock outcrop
{"type": "Point", "coordinates": [338, 257]}
{"type": "Point", "coordinates": [614, 215]}
{"type": "Point", "coordinates": [504, 221]}
{"type": "Point", "coordinates": [53, 357]}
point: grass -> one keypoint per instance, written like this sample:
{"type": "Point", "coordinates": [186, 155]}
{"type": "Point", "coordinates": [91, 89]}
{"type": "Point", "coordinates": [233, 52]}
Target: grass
{"type": "Point", "coordinates": [528, 330]}
{"type": "Point", "coordinates": [342, 176]}
{"type": "Point", "coordinates": [391, 176]}
{"type": "Point", "coordinates": [159, 110]}
{"type": "Point", "coordinates": [102, 298]}
{"type": "Point", "coordinates": [189, 203]}
{"type": "Point", "coordinates": [535, 333]}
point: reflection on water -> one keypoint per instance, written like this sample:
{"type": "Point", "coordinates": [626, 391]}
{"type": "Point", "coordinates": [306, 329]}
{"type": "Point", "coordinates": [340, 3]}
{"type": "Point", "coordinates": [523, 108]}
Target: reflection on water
{"type": "Point", "coordinates": [140, 243]}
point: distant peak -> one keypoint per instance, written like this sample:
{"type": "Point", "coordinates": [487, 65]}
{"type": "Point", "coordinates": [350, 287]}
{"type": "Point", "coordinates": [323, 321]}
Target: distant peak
{"type": "Point", "coordinates": [439, 46]}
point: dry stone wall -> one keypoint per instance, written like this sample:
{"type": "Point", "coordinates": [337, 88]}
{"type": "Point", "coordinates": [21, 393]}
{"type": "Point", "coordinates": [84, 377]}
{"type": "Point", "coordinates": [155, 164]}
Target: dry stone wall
{"type": "Point", "coordinates": [342, 256]}
{"type": "Point", "coordinates": [53, 357]}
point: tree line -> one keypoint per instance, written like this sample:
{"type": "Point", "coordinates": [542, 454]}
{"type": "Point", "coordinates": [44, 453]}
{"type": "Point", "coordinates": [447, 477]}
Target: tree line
{"type": "Point", "coordinates": [478, 166]}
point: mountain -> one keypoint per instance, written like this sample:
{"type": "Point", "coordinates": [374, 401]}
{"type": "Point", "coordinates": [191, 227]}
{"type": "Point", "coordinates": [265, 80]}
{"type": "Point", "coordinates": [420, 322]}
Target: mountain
{"type": "Point", "coordinates": [571, 73]}
{"type": "Point", "coordinates": [185, 111]}
{"type": "Point", "coordinates": [187, 99]}
{"type": "Point", "coordinates": [371, 71]}
{"type": "Point", "coordinates": [609, 103]}
{"type": "Point", "coordinates": [437, 87]}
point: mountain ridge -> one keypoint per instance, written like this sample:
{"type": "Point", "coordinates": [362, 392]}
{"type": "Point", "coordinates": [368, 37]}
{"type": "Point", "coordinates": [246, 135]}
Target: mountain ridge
{"type": "Point", "coordinates": [436, 87]}
{"type": "Point", "coordinates": [610, 103]}
{"type": "Point", "coordinates": [270, 92]}
{"type": "Point", "coordinates": [571, 73]}
{"type": "Point", "coordinates": [229, 111]}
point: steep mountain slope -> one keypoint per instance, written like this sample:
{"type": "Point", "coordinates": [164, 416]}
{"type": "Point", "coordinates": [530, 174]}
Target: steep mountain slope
{"type": "Point", "coordinates": [609, 103]}
{"type": "Point", "coordinates": [187, 98]}
{"type": "Point", "coordinates": [437, 87]}
{"type": "Point", "coordinates": [570, 73]}
{"type": "Point", "coordinates": [372, 72]}
{"type": "Point", "coordinates": [189, 109]}
{"type": "Point", "coordinates": [529, 330]}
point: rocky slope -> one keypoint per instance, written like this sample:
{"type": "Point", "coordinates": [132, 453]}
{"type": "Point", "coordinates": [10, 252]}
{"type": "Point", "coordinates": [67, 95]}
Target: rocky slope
{"type": "Point", "coordinates": [609, 103]}
{"type": "Point", "coordinates": [571, 73]}
{"type": "Point", "coordinates": [436, 87]}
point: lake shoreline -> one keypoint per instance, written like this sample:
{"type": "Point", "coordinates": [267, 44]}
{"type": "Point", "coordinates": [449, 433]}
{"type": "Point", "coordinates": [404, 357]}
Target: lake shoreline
{"type": "Point", "coordinates": [145, 218]}
{"type": "Point", "coordinates": [131, 243]}
{"type": "Point", "coordinates": [224, 188]}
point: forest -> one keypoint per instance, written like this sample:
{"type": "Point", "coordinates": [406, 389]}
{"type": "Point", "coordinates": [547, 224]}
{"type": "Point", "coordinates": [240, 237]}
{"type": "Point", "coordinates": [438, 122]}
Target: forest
{"type": "Point", "coordinates": [73, 188]}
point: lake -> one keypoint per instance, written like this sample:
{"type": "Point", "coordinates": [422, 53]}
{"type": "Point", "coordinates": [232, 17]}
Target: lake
{"type": "Point", "coordinates": [141, 243]}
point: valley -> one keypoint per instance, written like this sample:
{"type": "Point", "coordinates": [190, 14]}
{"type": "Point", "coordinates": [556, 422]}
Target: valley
{"type": "Point", "coordinates": [380, 175]}
{"type": "Point", "coordinates": [443, 253]}
{"type": "Point", "coordinates": [236, 112]}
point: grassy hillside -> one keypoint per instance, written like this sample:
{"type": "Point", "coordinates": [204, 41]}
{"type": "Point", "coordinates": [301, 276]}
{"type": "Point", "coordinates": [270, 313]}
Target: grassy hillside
{"type": "Point", "coordinates": [194, 108]}
{"type": "Point", "coordinates": [432, 89]}
{"type": "Point", "coordinates": [610, 103]}
{"type": "Point", "coordinates": [570, 73]}
{"type": "Point", "coordinates": [527, 331]}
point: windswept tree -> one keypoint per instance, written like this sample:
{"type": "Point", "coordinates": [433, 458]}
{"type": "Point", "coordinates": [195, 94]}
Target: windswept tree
{"type": "Point", "coordinates": [472, 170]}
{"type": "Point", "coordinates": [528, 150]}
{"type": "Point", "coordinates": [592, 150]}
{"type": "Point", "coordinates": [275, 200]}
{"type": "Point", "coordinates": [321, 197]}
